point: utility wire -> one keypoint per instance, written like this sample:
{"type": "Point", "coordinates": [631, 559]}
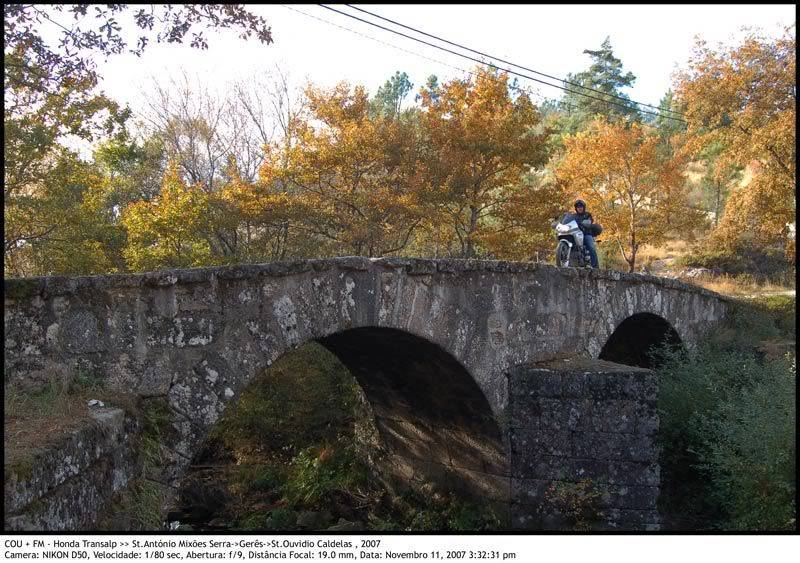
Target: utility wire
{"type": "Point", "coordinates": [437, 61]}
{"type": "Point", "coordinates": [508, 62]}
{"type": "Point", "coordinates": [628, 107]}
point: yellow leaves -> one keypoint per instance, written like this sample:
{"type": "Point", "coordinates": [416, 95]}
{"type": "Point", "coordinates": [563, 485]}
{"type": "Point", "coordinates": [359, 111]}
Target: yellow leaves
{"type": "Point", "coordinates": [482, 141]}
{"type": "Point", "coordinates": [169, 230]}
{"type": "Point", "coordinates": [638, 197]}
{"type": "Point", "coordinates": [347, 179]}
{"type": "Point", "coordinates": [744, 98]}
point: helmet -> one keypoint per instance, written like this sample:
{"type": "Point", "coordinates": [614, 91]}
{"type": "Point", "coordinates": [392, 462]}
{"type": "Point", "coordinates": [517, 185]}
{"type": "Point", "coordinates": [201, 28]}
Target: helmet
{"type": "Point", "coordinates": [580, 202]}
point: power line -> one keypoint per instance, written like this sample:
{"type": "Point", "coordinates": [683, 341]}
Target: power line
{"type": "Point", "coordinates": [437, 61]}
{"type": "Point", "coordinates": [628, 107]}
{"type": "Point", "coordinates": [508, 62]}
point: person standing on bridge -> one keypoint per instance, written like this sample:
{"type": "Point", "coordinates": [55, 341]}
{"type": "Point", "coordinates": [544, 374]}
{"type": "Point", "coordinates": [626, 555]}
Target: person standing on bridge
{"type": "Point", "coordinates": [586, 225]}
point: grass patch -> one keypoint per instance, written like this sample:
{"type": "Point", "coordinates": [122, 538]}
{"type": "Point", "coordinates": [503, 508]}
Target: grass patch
{"type": "Point", "coordinates": [741, 285]}
{"type": "Point", "coordinates": [37, 420]}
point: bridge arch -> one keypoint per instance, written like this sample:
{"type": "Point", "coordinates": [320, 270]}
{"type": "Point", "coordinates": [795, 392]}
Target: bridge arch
{"type": "Point", "coordinates": [632, 340]}
{"type": "Point", "coordinates": [433, 422]}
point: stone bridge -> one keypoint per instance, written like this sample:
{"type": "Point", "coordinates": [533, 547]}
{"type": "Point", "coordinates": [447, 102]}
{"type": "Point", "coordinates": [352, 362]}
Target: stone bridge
{"type": "Point", "coordinates": [492, 378]}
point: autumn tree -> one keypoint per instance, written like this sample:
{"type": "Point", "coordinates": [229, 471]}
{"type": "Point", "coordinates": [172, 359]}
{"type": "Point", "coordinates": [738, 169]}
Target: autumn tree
{"type": "Point", "coordinates": [171, 230]}
{"type": "Point", "coordinates": [349, 175]}
{"type": "Point", "coordinates": [744, 99]}
{"type": "Point", "coordinates": [65, 226]}
{"type": "Point", "coordinates": [50, 94]}
{"type": "Point", "coordinates": [479, 141]}
{"type": "Point", "coordinates": [260, 213]}
{"type": "Point", "coordinates": [638, 197]}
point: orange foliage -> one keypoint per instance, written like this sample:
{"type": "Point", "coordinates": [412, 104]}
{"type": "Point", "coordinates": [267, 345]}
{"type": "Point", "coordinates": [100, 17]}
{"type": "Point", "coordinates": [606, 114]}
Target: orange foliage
{"type": "Point", "coordinates": [744, 98]}
{"type": "Point", "coordinates": [348, 179]}
{"type": "Point", "coordinates": [481, 141]}
{"type": "Point", "coordinates": [637, 196]}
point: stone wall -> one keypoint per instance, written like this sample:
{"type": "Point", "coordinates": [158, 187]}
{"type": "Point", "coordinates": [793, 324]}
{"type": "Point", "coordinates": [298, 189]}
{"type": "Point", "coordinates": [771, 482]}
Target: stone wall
{"type": "Point", "coordinates": [70, 485]}
{"type": "Point", "coordinates": [583, 434]}
{"type": "Point", "coordinates": [195, 338]}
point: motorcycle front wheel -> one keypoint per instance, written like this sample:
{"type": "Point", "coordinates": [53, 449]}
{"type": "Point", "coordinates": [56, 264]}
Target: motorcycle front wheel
{"type": "Point", "coordinates": [562, 254]}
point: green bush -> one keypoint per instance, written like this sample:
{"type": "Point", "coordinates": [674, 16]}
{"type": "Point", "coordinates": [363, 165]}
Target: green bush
{"type": "Point", "coordinates": [727, 422]}
{"type": "Point", "coordinates": [317, 474]}
{"type": "Point", "coordinates": [276, 519]}
{"type": "Point", "coordinates": [305, 398]}
{"type": "Point", "coordinates": [750, 451]}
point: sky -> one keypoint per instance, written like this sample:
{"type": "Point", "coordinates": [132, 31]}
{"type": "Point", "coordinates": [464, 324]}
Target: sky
{"type": "Point", "coordinates": [650, 40]}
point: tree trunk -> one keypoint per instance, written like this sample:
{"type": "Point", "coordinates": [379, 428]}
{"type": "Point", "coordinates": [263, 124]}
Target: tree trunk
{"type": "Point", "coordinates": [634, 248]}
{"type": "Point", "coordinates": [473, 226]}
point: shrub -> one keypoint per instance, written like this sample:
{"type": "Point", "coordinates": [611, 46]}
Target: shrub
{"type": "Point", "coordinates": [750, 451]}
{"type": "Point", "coordinates": [577, 502]}
{"type": "Point", "coordinates": [727, 422]}
{"type": "Point", "coordinates": [760, 264]}
{"type": "Point", "coordinates": [276, 519]}
{"type": "Point", "coordinates": [305, 398]}
{"type": "Point", "coordinates": [317, 474]}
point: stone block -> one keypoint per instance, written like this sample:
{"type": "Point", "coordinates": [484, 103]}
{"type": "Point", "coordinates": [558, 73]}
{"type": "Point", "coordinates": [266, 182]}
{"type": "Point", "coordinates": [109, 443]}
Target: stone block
{"type": "Point", "coordinates": [632, 473]}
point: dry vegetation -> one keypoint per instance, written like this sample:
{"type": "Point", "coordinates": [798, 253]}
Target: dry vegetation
{"type": "Point", "coordinates": [35, 421]}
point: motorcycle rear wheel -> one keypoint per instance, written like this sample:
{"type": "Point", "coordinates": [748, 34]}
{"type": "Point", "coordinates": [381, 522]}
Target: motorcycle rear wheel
{"type": "Point", "coordinates": [562, 254]}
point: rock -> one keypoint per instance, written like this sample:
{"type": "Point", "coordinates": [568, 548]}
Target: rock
{"type": "Point", "coordinates": [314, 520]}
{"type": "Point", "coordinates": [219, 523]}
{"type": "Point", "coordinates": [694, 273]}
{"type": "Point", "coordinates": [95, 403]}
{"type": "Point", "coordinates": [658, 265]}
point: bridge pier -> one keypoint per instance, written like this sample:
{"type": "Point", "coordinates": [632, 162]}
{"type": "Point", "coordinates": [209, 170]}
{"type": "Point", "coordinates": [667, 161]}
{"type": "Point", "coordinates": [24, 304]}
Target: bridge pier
{"type": "Point", "coordinates": [583, 451]}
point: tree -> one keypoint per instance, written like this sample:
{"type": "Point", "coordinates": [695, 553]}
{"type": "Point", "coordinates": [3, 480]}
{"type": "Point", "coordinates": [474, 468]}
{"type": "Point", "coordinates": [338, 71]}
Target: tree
{"type": "Point", "coordinates": [172, 229]}
{"type": "Point", "coordinates": [190, 122]}
{"type": "Point", "coordinates": [668, 129]}
{"type": "Point", "coordinates": [50, 93]}
{"type": "Point", "coordinates": [637, 196]}
{"type": "Point", "coordinates": [260, 213]}
{"type": "Point", "coordinates": [64, 226]}
{"type": "Point", "coordinates": [719, 178]}
{"type": "Point", "coordinates": [744, 97]}
{"type": "Point", "coordinates": [479, 141]}
{"type": "Point", "coordinates": [36, 63]}
{"type": "Point", "coordinates": [133, 169]}
{"type": "Point", "coordinates": [349, 177]}
{"type": "Point", "coordinates": [389, 98]}
{"type": "Point", "coordinates": [602, 82]}
{"type": "Point", "coordinates": [270, 109]}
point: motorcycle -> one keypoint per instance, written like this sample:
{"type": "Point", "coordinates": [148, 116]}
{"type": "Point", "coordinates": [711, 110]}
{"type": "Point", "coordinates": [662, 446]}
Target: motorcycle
{"type": "Point", "coordinates": [570, 250]}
